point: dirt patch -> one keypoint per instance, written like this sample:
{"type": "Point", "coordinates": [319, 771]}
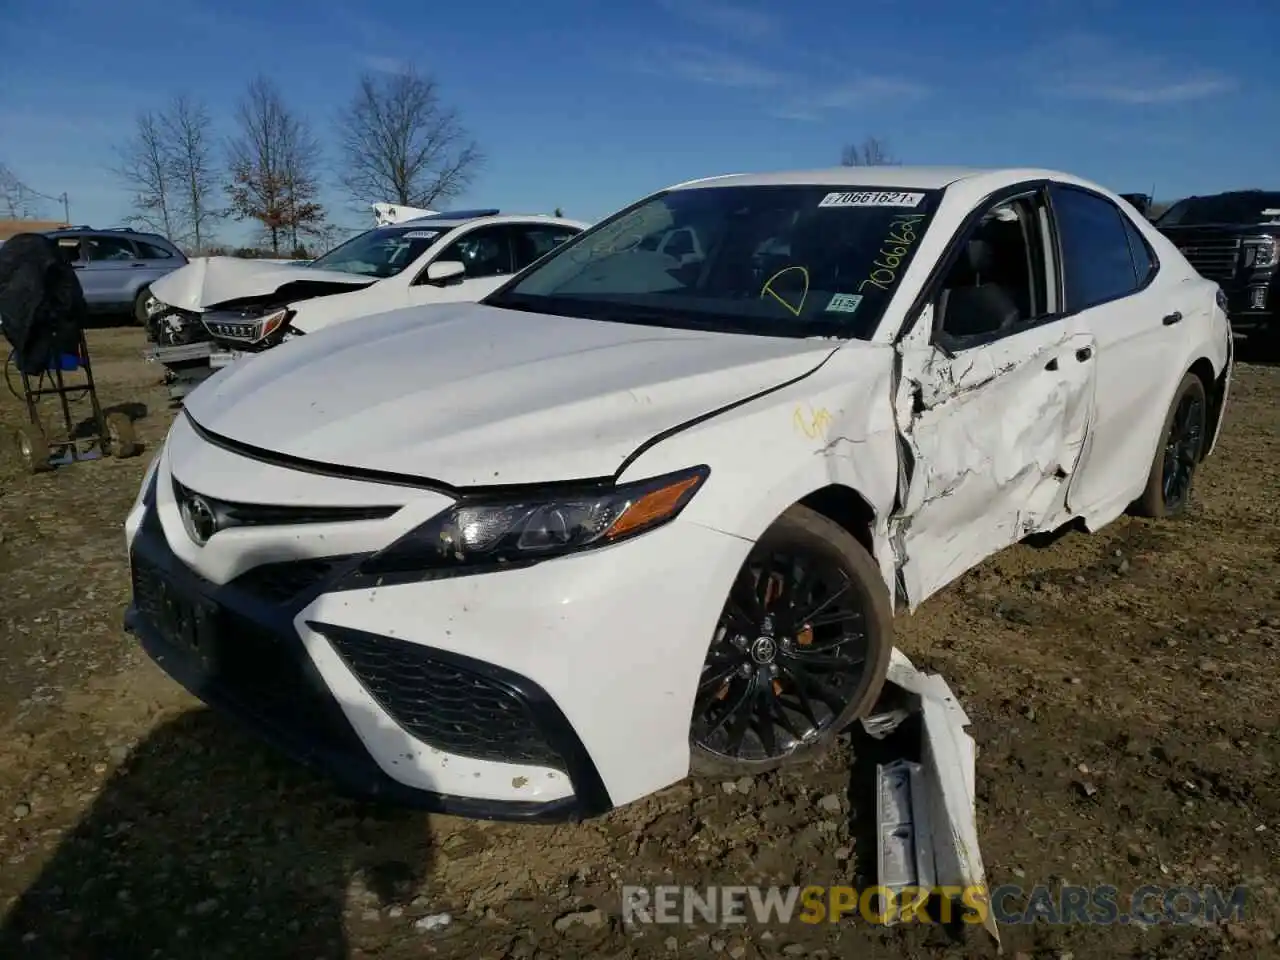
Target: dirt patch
{"type": "Point", "coordinates": [1124, 689]}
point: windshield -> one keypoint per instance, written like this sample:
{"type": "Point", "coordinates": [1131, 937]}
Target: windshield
{"type": "Point", "coordinates": [791, 261]}
{"type": "Point", "coordinates": [1242, 208]}
{"type": "Point", "coordinates": [380, 253]}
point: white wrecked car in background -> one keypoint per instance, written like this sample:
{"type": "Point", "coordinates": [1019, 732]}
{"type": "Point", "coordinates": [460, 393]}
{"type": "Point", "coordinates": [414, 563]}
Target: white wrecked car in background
{"type": "Point", "coordinates": [218, 308]}
{"type": "Point", "coordinates": [637, 514]}
{"type": "Point", "coordinates": [385, 214]}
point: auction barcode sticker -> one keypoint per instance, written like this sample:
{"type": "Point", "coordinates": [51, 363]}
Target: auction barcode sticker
{"type": "Point", "coordinates": [872, 199]}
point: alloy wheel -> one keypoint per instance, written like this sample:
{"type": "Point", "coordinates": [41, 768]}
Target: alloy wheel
{"type": "Point", "coordinates": [1182, 450]}
{"type": "Point", "coordinates": [788, 656]}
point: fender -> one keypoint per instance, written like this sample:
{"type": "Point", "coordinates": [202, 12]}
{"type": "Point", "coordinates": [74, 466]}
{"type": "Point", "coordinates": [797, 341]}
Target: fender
{"type": "Point", "coordinates": [833, 426]}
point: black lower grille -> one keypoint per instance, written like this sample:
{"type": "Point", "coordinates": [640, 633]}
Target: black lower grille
{"type": "Point", "coordinates": [443, 703]}
{"type": "Point", "coordinates": [281, 582]}
{"type": "Point", "coordinates": [266, 674]}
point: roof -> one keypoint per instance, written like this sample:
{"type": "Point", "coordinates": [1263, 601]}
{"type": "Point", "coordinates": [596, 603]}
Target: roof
{"type": "Point", "coordinates": [446, 222]}
{"type": "Point", "coordinates": [64, 230]}
{"type": "Point", "coordinates": [916, 178]}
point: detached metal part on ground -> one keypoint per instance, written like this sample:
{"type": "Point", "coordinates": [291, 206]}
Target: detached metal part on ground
{"type": "Point", "coordinates": [926, 811]}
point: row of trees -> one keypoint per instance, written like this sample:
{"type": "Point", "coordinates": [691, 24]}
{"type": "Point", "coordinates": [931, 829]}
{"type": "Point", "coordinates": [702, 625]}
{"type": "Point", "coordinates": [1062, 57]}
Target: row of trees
{"type": "Point", "coordinates": [394, 141]}
{"type": "Point", "coordinates": [871, 152]}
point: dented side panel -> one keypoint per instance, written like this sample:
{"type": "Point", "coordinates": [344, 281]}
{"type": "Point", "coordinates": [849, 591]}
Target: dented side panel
{"type": "Point", "coordinates": [993, 436]}
{"type": "Point", "coordinates": [834, 427]}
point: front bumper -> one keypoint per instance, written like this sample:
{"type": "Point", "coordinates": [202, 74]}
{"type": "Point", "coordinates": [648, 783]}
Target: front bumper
{"type": "Point", "coordinates": [251, 663]}
{"type": "Point", "coordinates": [548, 693]}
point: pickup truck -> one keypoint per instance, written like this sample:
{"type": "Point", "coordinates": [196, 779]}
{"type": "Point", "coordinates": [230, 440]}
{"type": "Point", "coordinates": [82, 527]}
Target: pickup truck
{"type": "Point", "coordinates": [1233, 239]}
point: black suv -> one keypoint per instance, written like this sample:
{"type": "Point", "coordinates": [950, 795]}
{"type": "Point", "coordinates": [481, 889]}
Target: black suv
{"type": "Point", "coordinates": [1234, 239]}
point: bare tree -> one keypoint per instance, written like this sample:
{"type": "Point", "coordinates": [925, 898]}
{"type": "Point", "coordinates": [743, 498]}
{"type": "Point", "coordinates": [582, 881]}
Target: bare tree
{"type": "Point", "coordinates": [17, 200]}
{"type": "Point", "coordinates": [871, 152]}
{"type": "Point", "coordinates": [301, 154]}
{"type": "Point", "coordinates": [193, 172]}
{"type": "Point", "coordinates": [399, 143]}
{"type": "Point", "coordinates": [272, 164]}
{"type": "Point", "coordinates": [145, 164]}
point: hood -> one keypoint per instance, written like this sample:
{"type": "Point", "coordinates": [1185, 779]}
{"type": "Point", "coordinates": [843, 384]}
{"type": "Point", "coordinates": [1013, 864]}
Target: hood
{"type": "Point", "coordinates": [471, 395]}
{"type": "Point", "coordinates": [210, 281]}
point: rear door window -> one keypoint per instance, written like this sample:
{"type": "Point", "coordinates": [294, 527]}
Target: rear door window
{"type": "Point", "coordinates": [1097, 263]}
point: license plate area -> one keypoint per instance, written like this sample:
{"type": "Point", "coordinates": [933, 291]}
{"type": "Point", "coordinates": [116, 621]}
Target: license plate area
{"type": "Point", "coordinates": [184, 619]}
{"type": "Point", "coordinates": [220, 360]}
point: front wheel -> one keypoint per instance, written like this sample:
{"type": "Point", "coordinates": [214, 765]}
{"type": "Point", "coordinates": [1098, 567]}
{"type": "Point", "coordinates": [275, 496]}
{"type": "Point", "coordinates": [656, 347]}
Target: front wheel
{"type": "Point", "coordinates": [800, 651]}
{"type": "Point", "coordinates": [1182, 445]}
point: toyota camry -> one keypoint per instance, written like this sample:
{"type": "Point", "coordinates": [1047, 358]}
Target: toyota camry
{"type": "Point", "coordinates": [652, 506]}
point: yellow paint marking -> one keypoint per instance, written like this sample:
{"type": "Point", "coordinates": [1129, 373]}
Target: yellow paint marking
{"type": "Point", "coordinates": [768, 289]}
{"type": "Point", "coordinates": [812, 423]}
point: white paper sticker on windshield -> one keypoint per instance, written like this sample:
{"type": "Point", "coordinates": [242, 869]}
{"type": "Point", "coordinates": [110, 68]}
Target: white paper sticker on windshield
{"type": "Point", "coordinates": [872, 198]}
{"type": "Point", "coordinates": [420, 235]}
{"type": "Point", "coordinates": [844, 303]}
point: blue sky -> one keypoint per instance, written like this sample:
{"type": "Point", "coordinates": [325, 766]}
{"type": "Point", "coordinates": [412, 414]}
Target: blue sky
{"type": "Point", "coordinates": [588, 104]}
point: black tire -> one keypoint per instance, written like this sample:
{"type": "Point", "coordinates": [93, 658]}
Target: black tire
{"type": "Point", "coordinates": [140, 307]}
{"type": "Point", "coordinates": [1182, 443]}
{"type": "Point", "coordinates": [812, 548]}
{"type": "Point", "coordinates": [122, 442]}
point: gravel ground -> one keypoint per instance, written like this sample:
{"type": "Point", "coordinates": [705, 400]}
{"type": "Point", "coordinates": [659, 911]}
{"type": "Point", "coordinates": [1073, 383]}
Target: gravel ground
{"type": "Point", "coordinates": [1124, 688]}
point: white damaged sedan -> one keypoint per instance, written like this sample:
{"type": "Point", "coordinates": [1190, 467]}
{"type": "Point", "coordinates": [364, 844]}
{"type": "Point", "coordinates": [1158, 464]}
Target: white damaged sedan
{"type": "Point", "coordinates": [652, 505]}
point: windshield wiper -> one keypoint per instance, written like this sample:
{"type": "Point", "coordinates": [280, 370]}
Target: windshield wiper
{"type": "Point", "coordinates": [609, 311]}
{"type": "Point", "coordinates": [680, 319]}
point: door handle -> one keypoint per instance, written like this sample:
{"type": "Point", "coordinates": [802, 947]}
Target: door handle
{"type": "Point", "coordinates": [137, 265]}
{"type": "Point", "coordinates": [1172, 318]}
{"type": "Point", "coordinates": [1084, 353]}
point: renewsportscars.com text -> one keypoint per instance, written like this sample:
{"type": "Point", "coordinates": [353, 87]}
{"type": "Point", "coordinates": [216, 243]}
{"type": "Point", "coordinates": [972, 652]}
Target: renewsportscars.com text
{"type": "Point", "coordinates": [1010, 904]}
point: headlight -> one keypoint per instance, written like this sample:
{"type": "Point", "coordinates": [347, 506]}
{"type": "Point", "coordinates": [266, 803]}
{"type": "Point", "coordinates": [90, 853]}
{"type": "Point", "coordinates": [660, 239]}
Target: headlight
{"type": "Point", "coordinates": [273, 322]}
{"type": "Point", "coordinates": [249, 330]}
{"type": "Point", "coordinates": [1260, 252]}
{"type": "Point", "coordinates": [516, 530]}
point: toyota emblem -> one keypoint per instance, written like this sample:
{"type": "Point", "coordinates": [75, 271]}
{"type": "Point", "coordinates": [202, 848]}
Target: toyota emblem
{"type": "Point", "coordinates": [199, 519]}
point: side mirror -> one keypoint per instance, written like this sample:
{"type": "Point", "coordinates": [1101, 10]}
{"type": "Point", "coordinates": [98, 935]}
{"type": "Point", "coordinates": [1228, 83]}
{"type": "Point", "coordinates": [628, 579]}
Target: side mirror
{"type": "Point", "coordinates": [443, 271]}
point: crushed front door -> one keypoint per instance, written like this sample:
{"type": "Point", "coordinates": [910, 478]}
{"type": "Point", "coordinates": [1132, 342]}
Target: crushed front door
{"type": "Point", "coordinates": [990, 437]}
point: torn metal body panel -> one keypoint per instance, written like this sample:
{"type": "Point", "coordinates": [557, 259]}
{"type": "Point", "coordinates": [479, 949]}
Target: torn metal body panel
{"type": "Point", "coordinates": [928, 810]}
{"type": "Point", "coordinates": [994, 437]}
{"type": "Point", "coordinates": [904, 842]}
